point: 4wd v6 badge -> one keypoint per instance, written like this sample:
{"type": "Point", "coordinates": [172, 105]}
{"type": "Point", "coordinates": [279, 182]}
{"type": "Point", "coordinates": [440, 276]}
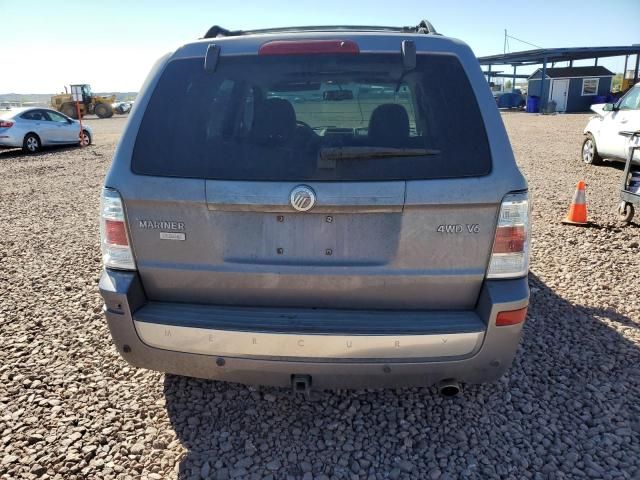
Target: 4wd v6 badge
{"type": "Point", "coordinates": [458, 228]}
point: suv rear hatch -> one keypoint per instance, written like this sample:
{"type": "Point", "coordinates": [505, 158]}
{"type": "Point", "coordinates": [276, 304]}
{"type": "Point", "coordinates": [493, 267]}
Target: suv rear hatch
{"type": "Point", "coordinates": [393, 157]}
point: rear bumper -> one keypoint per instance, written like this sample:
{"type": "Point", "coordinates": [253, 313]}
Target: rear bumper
{"type": "Point", "coordinates": [337, 349]}
{"type": "Point", "coordinates": [9, 141]}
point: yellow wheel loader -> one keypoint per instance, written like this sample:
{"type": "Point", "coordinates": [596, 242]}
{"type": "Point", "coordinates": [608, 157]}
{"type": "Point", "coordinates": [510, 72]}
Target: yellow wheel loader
{"type": "Point", "coordinates": [90, 103]}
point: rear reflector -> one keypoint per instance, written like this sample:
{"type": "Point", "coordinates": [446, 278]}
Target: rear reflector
{"type": "Point", "coordinates": [306, 47]}
{"type": "Point", "coordinates": [5, 124]}
{"type": "Point", "coordinates": [511, 317]}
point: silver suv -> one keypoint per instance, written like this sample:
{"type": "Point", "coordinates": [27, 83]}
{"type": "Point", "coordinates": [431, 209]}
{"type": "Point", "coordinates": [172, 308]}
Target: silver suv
{"type": "Point", "coordinates": [319, 207]}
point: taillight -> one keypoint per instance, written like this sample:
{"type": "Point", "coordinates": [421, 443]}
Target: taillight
{"type": "Point", "coordinates": [510, 255]}
{"type": "Point", "coordinates": [115, 233]}
{"type": "Point", "coordinates": [305, 47]}
{"type": "Point", "coordinates": [116, 251]}
{"type": "Point", "coordinates": [5, 124]}
{"type": "Point", "coordinates": [510, 239]}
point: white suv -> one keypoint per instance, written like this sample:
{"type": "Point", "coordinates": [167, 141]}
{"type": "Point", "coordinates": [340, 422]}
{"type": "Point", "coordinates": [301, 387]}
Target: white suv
{"type": "Point", "coordinates": [602, 139]}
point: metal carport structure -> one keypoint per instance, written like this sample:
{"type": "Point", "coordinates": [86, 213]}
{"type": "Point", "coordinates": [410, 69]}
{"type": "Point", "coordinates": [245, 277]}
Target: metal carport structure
{"type": "Point", "coordinates": [544, 56]}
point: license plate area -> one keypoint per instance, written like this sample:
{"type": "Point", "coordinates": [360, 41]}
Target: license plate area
{"type": "Point", "coordinates": [327, 239]}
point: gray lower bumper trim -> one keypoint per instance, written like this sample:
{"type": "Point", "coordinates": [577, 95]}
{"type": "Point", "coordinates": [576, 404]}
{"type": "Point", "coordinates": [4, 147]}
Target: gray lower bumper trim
{"type": "Point", "coordinates": [258, 344]}
{"type": "Point", "coordinates": [123, 294]}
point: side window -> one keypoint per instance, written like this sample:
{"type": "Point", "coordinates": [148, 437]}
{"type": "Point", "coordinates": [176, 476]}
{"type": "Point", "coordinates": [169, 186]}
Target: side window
{"type": "Point", "coordinates": [34, 115]}
{"type": "Point", "coordinates": [56, 117]}
{"type": "Point", "coordinates": [247, 112]}
{"type": "Point", "coordinates": [631, 101]}
{"type": "Point", "coordinates": [219, 109]}
{"type": "Point", "coordinates": [405, 98]}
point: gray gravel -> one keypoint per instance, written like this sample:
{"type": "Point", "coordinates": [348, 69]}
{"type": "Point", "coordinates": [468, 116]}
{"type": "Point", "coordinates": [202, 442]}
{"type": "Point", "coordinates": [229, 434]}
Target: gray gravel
{"type": "Point", "coordinates": [71, 408]}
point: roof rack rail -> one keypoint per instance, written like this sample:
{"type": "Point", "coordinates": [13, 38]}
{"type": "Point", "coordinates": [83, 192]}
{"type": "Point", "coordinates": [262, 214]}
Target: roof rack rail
{"type": "Point", "coordinates": [424, 27]}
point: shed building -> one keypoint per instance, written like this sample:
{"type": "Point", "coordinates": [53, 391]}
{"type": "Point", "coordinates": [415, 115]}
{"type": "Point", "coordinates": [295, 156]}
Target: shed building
{"type": "Point", "coordinates": [573, 89]}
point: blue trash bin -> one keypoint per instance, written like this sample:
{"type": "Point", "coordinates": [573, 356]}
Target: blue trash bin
{"type": "Point", "coordinates": [533, 104]}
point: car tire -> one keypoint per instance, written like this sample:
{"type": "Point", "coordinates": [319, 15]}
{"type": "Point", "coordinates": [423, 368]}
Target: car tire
{"type": "Point", "coordinates": [31, 143]}
{"type": "Point", "coordinates": [69, 110]}
{"type": "Point", "coordinates": [589, 151]}
{"type": "Point", "coordinates": [85, 138]}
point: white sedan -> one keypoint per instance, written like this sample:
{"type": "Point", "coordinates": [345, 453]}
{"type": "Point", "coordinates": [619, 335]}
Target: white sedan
{"type": "Point", "coordinates": [34, 128]}
{"type": "Point", "coordinates": [602, 139]}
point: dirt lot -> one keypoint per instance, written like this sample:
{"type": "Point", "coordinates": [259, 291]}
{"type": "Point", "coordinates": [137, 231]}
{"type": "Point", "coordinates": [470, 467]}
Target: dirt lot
{"type": "Point", "coordinates": [71, 408]}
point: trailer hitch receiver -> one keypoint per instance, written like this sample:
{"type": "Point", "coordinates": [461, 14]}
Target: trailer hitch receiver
{"type": "Point", "coordinates": [301, 384]}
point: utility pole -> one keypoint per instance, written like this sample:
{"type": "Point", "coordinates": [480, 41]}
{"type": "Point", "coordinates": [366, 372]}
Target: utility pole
{"type": "Point", "coordinates": [504, 47]}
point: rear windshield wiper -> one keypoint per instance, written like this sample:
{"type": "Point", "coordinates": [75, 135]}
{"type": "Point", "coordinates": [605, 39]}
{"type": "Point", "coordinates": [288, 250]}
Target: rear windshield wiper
{"type": "Point", "coordinates": [357, 153]}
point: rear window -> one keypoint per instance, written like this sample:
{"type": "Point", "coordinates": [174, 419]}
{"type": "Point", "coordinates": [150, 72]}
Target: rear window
{"type": "Point", "coordinates": [317, 117]}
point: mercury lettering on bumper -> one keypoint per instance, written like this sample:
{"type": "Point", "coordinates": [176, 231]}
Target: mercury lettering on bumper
{"type": "Point", "coordinates": [253, 344]}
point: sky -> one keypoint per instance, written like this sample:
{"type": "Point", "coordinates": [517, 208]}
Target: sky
{"type": "Point", "coordinates": [113, 44]}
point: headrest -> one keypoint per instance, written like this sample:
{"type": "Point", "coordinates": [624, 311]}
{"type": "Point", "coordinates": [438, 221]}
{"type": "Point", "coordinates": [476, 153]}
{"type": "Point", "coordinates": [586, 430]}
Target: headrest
{"type": "Point", "coordinates": [389, 124]}
{"type": "Point", "coordinates": [274, 121]}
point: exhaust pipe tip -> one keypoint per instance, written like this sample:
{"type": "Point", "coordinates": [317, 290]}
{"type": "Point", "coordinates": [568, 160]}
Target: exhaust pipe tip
{"type": "Point", "coordinates": [449, 388]}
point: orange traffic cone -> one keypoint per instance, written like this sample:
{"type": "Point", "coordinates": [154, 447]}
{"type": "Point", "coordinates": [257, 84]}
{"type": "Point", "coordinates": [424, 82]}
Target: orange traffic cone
{"type": "Point", "coordinates": [578, 210]}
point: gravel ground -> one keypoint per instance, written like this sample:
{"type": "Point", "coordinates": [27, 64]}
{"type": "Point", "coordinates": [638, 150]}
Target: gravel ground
{"type": "Point", "coordinates": [71, 408]}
